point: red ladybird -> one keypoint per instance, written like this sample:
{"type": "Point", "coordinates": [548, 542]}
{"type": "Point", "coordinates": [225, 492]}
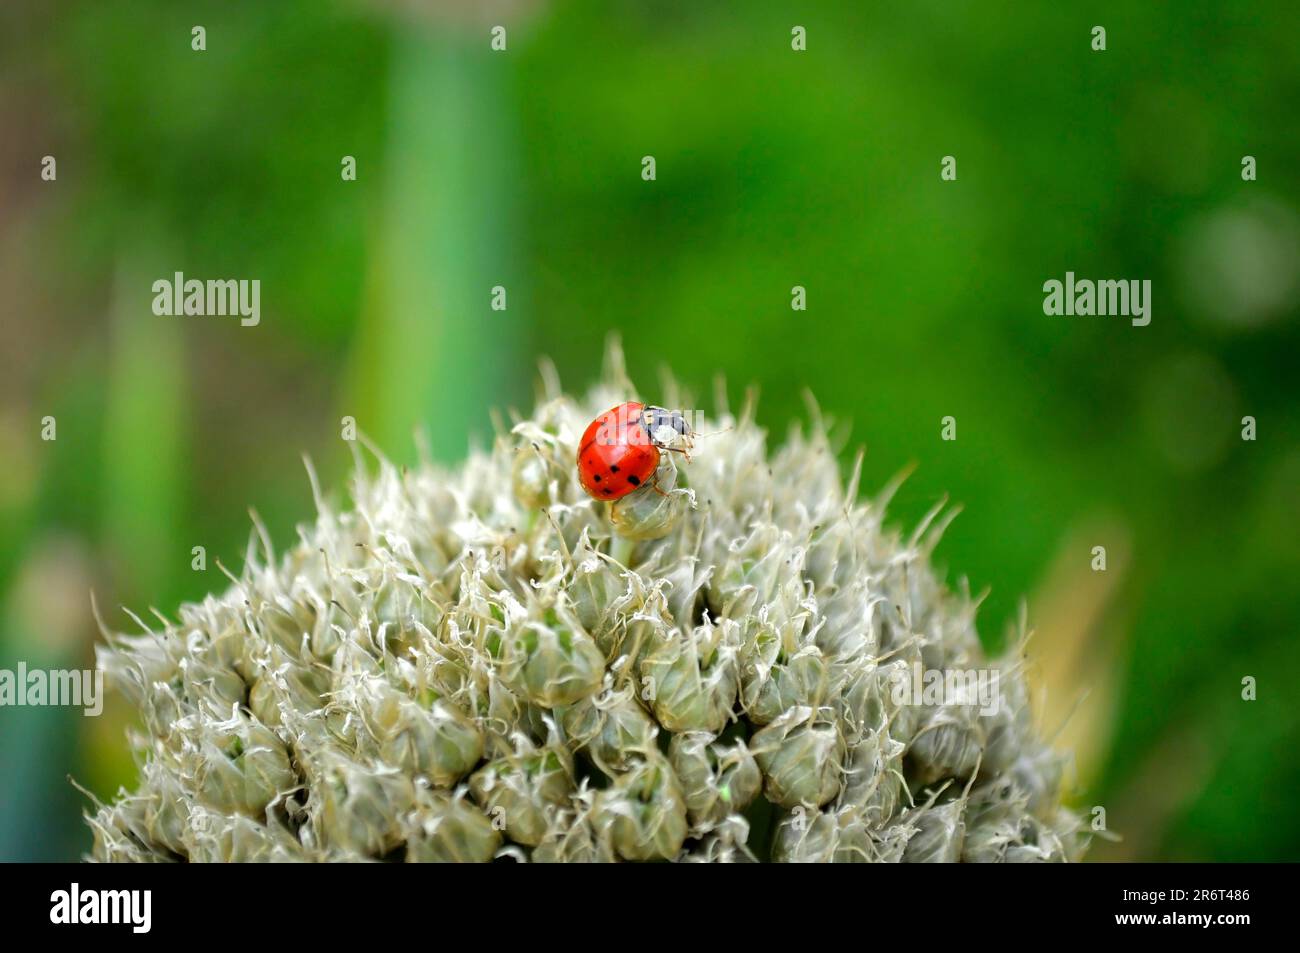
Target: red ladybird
{"type": "Point", "coordinates": [618, 454]}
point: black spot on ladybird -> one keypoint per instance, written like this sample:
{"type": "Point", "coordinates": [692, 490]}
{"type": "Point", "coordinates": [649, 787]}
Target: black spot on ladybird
{"type": "Point", "coordinates": [633, 480]}
{"type": "Point", "coordinates": [613, 468]}
{"type": "Point", "coordinates": [597, 476]}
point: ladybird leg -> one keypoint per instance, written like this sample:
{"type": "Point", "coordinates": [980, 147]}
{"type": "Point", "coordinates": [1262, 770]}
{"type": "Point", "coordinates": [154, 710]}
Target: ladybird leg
{"type": "Point", "coordinates": [654, 485]}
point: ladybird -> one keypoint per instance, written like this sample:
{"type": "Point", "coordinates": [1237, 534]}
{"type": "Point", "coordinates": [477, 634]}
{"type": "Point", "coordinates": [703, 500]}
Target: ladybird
{"type": "Point", "coordinates": [619, 451]}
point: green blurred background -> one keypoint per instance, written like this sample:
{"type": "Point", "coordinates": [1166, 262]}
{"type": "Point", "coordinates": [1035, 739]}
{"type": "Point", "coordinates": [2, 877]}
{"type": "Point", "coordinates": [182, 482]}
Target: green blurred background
{"type": "Point", "coordinates": [775, 168]}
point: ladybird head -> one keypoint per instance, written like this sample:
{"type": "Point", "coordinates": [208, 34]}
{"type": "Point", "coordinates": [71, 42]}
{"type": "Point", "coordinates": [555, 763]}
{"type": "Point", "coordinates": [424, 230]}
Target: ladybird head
{"type": "Point", "coordinates": [678, 431]}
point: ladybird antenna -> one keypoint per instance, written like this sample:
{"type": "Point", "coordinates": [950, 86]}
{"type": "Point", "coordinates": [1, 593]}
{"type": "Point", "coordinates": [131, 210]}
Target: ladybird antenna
{"type": "Point", "coordinates": [714, 433]}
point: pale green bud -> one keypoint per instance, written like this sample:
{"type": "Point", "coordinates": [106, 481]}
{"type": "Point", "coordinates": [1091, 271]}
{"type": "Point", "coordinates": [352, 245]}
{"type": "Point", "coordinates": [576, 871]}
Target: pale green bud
{"type": "Point", "coordinates": [214, 685]}
{"type": "Point", "coordinates": [592, 592]}
{"type": "Point", "coordinates": [613, 728]}
{"type": "Point", "coordinates": [265, 765]}
{"type": "Point", "coordinates": [571, 837]}
{"type": "Point", "coordinates": [551, 665]}
{"type": "Point", "coordinates": [360, 809]}
{"type": "Point", "coordinates": [692, 679]}
{"type": "Point", "coordinates": [643, 813]}
{"type": "Point", "coordinates": [725, 843]}
{"type": "Point", "coordinates": [288, 687]}
{"type": "Point", "coordinates": [530, 477]}
{"type": "Point", "coordinates": [801, 757]}
{"type": "Point", "coordinates": [717, 780]}
{"type": "Point", "coordinates": [760, 651]}
{"type": "Point", "coordinates": [823, 837]}
{"type": "Point", "coordinates": [1037, 772]}
{"type": "Point", "coordinates": [994, 821]}
{"type": "Point", "coordinates": [799, 681]}
{"type": "Point", "coordinates": [440, 742]}
{"type": "Point", "coordinates": [652, 511]}
{"type": "Point", "coordinates": [446, 830]}
{"type": "Point", "coordinates": [216, 838]}
{"type": "Point", "coordinates": [751, 569]}
{"type": "Point", "coordinates": [521, 792]}
{"type": "Point", "coordinates": [940, 834]}
{"type": "Point", "coordinates": [873, 777]}
{"type": "Point", "coordinates": [948, 745]}
{"type": "Point", "coordinates": [161, 813]}
{"type": "Point", "coordinates": [238, 765]}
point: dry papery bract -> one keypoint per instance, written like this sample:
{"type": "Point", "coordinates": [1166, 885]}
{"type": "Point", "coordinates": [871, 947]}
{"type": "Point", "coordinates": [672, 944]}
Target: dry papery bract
{"type": "Point", "coordinates": [484, 663]}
